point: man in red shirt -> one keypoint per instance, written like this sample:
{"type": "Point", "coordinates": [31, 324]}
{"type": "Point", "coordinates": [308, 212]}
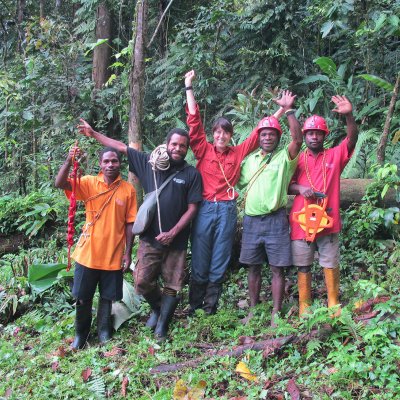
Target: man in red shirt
{"type": "Point", "coordinates": [319, 170]}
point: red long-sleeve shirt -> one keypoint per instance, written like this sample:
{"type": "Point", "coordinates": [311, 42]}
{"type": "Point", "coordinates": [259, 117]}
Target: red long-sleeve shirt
{"type": "Point", "coordinates": [208, 159]}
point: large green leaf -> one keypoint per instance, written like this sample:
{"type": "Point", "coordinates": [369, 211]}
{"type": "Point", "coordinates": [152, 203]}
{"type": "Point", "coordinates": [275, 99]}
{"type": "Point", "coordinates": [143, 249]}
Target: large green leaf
{"type": "Point", "coordinates": [314, 78]}
{"type": "Point", "coordinates": [327, 66]}
{"type": "Point", "coordinates": [326, 28]}
{"type": "Point", "coordinates": [42, 276]}
{"type": "Point", "coordinates": [121, 313]}
{"type": "Point", "coordinates": [377, 81]}
{"type": "Point", "coordinates": [130, 298]}
{"type": "Point", "coordinates": [127, 307]}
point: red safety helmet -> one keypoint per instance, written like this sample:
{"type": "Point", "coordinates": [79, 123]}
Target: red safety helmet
{"type": "Point", "coordinates": [315, 122]}
{"type": "Point", "coordinates": [269, 122]}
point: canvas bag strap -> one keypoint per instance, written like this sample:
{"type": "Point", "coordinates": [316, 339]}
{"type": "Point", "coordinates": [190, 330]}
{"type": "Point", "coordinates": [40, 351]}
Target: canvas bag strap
{"type": "Point", "coordinates": [158, 191]}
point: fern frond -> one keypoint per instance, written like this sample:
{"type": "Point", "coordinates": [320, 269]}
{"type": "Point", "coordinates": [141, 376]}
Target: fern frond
{"type": "Point", "coordinates": [97, 386]}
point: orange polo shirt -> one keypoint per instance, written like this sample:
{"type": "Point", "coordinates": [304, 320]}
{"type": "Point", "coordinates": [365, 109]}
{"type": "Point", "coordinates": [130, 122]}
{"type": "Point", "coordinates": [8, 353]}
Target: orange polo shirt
{"type": "Point", "coordinates": [102, 245]}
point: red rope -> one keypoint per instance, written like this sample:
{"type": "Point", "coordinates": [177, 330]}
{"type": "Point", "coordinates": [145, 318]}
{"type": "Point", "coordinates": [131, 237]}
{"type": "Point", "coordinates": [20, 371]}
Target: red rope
{"type": "Point", "coordinates": [75, 175]}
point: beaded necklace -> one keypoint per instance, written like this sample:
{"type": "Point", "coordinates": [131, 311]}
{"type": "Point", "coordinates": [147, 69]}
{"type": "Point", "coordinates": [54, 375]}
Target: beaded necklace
{"type": "Point", "coordinates": [323, 172]}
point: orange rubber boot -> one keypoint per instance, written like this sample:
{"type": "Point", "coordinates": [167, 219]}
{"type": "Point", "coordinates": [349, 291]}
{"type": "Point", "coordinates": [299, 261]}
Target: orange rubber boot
{"type": "Point", "coordinates": [332, 278]}
{"type": "Point", "coordinates": [304, 284]}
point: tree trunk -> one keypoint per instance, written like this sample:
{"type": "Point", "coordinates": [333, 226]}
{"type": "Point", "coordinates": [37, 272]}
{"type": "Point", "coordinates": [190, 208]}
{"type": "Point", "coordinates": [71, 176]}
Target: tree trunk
{"type": "Point", "coordinates": [161, 27]}
{"type": "Point", "coordinates": [102, 53]}
{"type": "Point", "coordinates": [384, 137]}
{"type": "Point", "coordinates": [135, 128]}
{"type": "Point", "coordinates": [20, 17]}
{"type": "Point", "coordinates": [269, 347]}
{"type": "Point", "coordinates": [41, 9]}
{"type": "Point", "coordinates": [353, 190]}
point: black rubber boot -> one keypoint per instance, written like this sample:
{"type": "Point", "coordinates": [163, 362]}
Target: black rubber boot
{"type": "Point", "coordinates": [104, 325]}
{"type": "Point", "coordinates": [154, 299]}
{"type": "Point", "coordinates": [197, 292]}
{"type": "Point", "coordinates": [83, 320]}
{"type": "Point", "coordinates": [213, 293]}
{"type": "Point", "coordinates": [168, 306]}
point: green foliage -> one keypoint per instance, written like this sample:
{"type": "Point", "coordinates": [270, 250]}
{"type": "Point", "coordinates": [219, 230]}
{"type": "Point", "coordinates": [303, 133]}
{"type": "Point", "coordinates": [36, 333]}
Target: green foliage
{"type": "Point", "coordinates": [32, 213]}
{"type": "Point", "coordinates": [42, 276]}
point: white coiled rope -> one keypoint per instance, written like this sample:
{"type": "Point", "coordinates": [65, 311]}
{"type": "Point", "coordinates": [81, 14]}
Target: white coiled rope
{"type": "Point", "coordinates": [159, 160]}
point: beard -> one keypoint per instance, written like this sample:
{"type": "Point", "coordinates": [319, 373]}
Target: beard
{"type": "Point", "coordinates": [175, 163]}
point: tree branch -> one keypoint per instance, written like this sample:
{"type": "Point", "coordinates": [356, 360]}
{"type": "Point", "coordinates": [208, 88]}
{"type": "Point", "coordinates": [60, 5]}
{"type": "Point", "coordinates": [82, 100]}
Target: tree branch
{"type": "Point", "coordinates": [159, 23]}
{"type": "Point", "coordinates": [380, 154]}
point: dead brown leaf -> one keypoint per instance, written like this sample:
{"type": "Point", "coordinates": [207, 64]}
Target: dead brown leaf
{"type": "Point", "coordinates": [86, 374]}
{"type": "Point", "coordinates": [332, 370]}
{"type": "Point", "coordinates": [366, 316]}
{"type": "Point", "coordinates": [366, 306]}
{"type": "Point", "coordinates": [245, 340]}
{"type": "Point", "coordinates": [180, 390]}
{"type": "Point", "coordinates": [125, 382]}
{"type": "Point", "coordinates": [198, 391]}
{"type": "Point", "coordinates": [69, 340]}
{"type": "Point", "coordinates": [242, 304]}
{"type": "Point", "coordinates": [55, 365]}
{"type": "Point", "coordinates": [268, 351]}
{"type": "Point", "coordinates": [8, 393]}
{"type": "Point", "coordinates": [151, 350]}
{"type": "Point", "coordinates": [293, 390]}
{"type": "Point", "coordinates": [328, 390]}
{"type": "Point", "coordinates": [115, 351]}
{"type": "Point", "coordinates": [268, 384]}
{"type": "Point", "coordinates": [277, 396]}
{"type": "Point", "coordinates": [60, 352]}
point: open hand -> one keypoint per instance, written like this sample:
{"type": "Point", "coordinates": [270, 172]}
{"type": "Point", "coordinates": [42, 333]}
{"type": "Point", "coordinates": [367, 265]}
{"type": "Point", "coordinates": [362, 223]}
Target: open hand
{"type": "Point", "coordinates": [286, 101]}
{"type": "Point", "coordinates": [189, 78]}
{"type": "Point", "coordinates": [343, 105]}
{"type": "Point", "coordinates": [84, 128]}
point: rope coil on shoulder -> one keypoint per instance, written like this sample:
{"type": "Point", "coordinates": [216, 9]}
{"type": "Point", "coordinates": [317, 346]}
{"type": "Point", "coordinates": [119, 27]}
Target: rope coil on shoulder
{"type": "Point", "coordinates": [159, 160]}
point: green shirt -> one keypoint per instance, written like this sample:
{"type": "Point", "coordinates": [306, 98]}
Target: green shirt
{"type": "Point", "coordinates": [267, 192]}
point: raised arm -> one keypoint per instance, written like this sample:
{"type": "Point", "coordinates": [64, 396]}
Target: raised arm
{"type": "Point", "coordinates": [344, 107]}
{"type": "Point", "coordinates": [85, 129]}
{"type": "Point", "coordinates": [61, 181]}
{"type": "Point", "coordinates": [191, 102]}
{"type": "Point", "coordinates": [286, 103]}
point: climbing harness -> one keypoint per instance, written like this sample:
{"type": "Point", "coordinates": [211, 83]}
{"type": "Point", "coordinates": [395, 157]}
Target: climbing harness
{"type": "Point", "coordinates": [75, 179]}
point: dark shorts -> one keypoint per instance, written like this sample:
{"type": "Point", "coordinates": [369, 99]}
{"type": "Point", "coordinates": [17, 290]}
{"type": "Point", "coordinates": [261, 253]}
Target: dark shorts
{"type": "Point", "coordinates": [86, 280]}
{"type": "Point", "coordinates": [266, 238]}
{"type": "Point", "coordinates": [170, 264]}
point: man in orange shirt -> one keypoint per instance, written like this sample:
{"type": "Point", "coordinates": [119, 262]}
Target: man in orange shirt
{"type": "Point", "coordinates": [103, 251]}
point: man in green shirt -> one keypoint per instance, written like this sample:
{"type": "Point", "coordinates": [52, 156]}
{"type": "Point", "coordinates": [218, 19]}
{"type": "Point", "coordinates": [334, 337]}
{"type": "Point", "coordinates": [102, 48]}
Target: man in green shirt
{"type": "Point", "coordinates": [266, 175]}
